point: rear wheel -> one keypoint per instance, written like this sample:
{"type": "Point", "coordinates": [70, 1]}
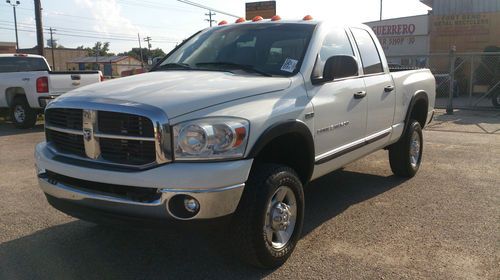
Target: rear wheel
{"type": "Point", "coordinates": [22, 114]}
{"type": "Point", "coordinates": [269, 218]}
{"type": "Point", "coordinates": [405, 156]}
{"type": "Point", "coordinates": [496, 99]}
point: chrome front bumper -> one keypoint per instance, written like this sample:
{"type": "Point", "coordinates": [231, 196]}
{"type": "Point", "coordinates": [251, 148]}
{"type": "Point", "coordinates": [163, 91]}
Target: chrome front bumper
{"type": "Point", "coordinates": [214, 203]}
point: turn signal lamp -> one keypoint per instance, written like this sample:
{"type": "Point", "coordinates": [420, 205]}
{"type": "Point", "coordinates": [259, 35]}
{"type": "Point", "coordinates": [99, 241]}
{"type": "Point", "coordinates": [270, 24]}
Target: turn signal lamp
{"type": "Point", "coordinates": [240, 20]}
{"type": "Point", "coordinates": [275, 18]}
{"type": "Point", "coordinates": [308, 17]}
{"type": "Point", "coordinates": [257, 18]}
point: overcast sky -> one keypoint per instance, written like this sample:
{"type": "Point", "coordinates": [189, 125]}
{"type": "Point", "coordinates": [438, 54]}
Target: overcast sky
{"type": "Point", "coordinates": [83, 22]}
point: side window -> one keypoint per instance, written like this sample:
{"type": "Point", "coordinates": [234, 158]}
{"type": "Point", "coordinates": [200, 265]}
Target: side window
{"type": "Point", "coordinates": [335, 43]}
{"type": "Point", "coordinates": [368, 51]}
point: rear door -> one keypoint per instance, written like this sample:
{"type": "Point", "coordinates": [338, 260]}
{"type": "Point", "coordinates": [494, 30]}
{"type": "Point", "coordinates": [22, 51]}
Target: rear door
{"type": "Point", "coordinates": [380, 92]}
{"type": "Point", "coordinates": [340, 118]}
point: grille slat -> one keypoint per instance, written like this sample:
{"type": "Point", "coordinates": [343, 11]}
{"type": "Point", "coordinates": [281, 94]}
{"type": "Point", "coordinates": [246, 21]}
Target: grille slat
{"type": "Point", "coordinates": [119, 151]}
{"type": "Point", "coordinates": [66, 118]}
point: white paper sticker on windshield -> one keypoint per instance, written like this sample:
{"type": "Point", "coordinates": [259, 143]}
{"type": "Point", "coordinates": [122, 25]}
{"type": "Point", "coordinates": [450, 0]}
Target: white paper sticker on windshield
{"type": "Point", "coordinates": [289, 65]}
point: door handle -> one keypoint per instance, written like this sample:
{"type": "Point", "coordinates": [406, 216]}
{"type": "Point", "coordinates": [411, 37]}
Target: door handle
{"type": "Point", "coordinates": [359, 95]}
{"type": "Point", "coordinates": [26, 79]}
{"type": "Point", "coordinates": [389, 88]}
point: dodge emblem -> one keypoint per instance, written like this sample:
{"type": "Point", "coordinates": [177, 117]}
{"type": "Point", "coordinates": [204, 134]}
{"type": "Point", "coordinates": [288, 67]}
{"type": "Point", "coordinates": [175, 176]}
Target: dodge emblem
{"type": "Point", "coordinates": [87, 134]}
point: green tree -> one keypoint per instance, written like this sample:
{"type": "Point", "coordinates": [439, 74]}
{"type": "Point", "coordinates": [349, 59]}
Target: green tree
{"type": "Point", "coordinates": [99, 49]}
{"type": "Point", "coordinates": [136, 53]}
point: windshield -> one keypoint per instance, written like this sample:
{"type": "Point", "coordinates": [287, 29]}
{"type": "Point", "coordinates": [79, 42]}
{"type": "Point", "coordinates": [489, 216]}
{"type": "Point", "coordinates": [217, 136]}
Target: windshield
{"type": "Point", "coordinates": [264, 48]}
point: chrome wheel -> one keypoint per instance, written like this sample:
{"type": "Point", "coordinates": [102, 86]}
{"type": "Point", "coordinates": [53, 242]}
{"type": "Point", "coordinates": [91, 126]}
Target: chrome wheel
{"type": "Point", "coordinates": [281, 215]}
{"type": "Point", "coordinates": [415, 149]}
{"type": "Point", "coordinates": [19, 113]}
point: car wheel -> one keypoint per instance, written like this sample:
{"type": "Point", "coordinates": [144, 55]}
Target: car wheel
{"type": "Point", "coordinates": [405, 156]}
{"type": "Point", "coordinates": [268, 222]}
{"type": "Point", "coordinates": [22, 114]}
{"type": "Point", "coordinates": [496, 99]}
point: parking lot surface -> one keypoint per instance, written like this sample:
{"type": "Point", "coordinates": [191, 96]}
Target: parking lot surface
{"type": "Point", "coordinates": [361, 222]}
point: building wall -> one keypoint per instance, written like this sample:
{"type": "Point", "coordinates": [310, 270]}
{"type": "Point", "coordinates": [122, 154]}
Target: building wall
{"type": "Point", "coordinates": [468, 32]}
{"type": "Point", "coordinates": [457, 7]}
{"type": "Point", "coordinates": [7, 47]}
{"type": "Point", "coordinates": [62, 56]}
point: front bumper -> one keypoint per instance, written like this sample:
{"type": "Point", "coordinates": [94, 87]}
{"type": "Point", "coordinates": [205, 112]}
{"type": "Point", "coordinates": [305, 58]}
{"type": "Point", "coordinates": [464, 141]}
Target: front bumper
{"type": "Point", "coordinates": [216, 186]}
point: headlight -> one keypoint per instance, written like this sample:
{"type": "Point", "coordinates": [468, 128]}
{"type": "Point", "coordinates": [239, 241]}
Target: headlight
{"type": "Point", "coordinates": [211, 138]}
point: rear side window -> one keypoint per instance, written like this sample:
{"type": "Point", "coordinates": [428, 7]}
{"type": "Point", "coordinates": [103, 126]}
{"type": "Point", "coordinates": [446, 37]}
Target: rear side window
{"type": "Point", "coordinates": [22, 64]}
{"type": "Point", "coordinates": [336, 43]}
{"type": "Point", "coordinates": [370, 57]}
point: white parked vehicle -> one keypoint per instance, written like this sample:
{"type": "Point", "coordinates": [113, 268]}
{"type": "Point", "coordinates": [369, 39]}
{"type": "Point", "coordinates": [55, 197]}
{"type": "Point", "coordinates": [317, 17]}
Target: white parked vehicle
{"type": "Point", "coordinates": [231, 126]}
{"type": "Point", "coordinates": [27, 84]}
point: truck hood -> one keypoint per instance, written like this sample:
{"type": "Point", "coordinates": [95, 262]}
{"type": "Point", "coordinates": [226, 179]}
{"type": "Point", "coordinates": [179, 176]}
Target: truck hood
{"type": "Point", "coordinates": [181, 92]}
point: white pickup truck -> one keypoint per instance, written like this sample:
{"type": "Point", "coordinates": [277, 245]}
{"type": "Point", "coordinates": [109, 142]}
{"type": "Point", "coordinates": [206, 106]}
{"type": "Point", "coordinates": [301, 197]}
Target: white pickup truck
{"type": "Point", "coordinates": [27, 85]}
{"type": "Point", "coordinates": [231, 126]}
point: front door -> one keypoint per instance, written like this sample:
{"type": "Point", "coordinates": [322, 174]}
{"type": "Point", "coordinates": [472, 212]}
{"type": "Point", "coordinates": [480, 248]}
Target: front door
{"type": "Point", "coordinates": [340, 117]}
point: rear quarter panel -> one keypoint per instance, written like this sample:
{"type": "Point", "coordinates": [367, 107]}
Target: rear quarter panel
{"type": "Point", "coordinates": [408, 84]}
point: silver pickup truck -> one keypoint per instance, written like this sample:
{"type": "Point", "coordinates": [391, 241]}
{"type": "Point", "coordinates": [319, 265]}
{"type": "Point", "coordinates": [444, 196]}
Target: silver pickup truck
{"type": "Point", "coordinates": [27, 84]}
{"type": "Point", "coordinates": [232, 125]}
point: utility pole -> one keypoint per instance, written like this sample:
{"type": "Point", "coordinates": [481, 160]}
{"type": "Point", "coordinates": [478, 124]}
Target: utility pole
{"type": "Point", "coordinates": [14, 5]}
{"type": "Point", "coordinates": [52, 48]}
{"type": "Point", "coordinates": [39, 27]}
{"type": "Point", "coordinates": [210, 14]}
{"type": "Point", "coordinates": [148, 39]}
{"type": "Point", "coordinates": [381, 8]}
{"type": "Point", "coordinates": [97, 56]}
{"type": "Point", "coordinates": [140, 50]}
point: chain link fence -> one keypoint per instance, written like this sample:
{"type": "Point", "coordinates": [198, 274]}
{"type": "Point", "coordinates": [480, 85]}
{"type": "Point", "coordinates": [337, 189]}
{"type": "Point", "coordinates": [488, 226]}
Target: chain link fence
{"type": "Point", "coordinates": [463, 80]}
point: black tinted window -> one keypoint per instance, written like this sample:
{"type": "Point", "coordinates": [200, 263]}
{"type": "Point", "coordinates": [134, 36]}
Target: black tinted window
{"type": "Point", "coordinates": [368, 51]}
{"type": "Point", "coordinates": [22, 64]}
{"type": "Point", "coordinates": [335, 43]}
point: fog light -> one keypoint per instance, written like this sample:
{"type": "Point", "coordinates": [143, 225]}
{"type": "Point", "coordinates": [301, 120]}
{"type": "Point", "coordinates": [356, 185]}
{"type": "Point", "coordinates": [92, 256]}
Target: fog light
{"type": "Point", "coordinates": [191, 204]}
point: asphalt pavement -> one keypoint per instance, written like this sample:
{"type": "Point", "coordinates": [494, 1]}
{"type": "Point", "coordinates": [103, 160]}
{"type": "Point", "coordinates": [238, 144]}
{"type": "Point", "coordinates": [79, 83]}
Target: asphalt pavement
{"type": "Point", "coordinates": [361, 222]}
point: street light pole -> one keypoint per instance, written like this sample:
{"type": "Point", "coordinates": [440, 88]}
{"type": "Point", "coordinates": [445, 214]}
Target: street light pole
{"type": "Point", "coordinates": [381, 8]}
{"type": "Point", "coordinates": [14, 5]}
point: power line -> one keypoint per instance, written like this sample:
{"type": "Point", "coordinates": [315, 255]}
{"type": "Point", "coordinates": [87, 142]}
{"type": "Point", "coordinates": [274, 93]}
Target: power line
{"type": "Point", "coordinates": [207, 8]}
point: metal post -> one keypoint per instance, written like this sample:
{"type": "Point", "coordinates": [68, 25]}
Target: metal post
{"type": "Point", "coordinates": [52, 49]}
{"type": "Point", "coordinates": [39, 27]}
{"type": "Point", "coordinates": [140, 50]}
{"type": "Point", "coordinates": [14, 4]}
{"type": "Point", "coordinates": [381, 8]}
{"type": "Point", "coordinates": [449, 108]}
{"type": "Point", "coordinates": [471, 80]}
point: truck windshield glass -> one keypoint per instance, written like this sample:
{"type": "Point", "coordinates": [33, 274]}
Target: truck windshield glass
{"type": "Point", "coordinates": [264, 48]}
{"type": "Point", "coordinates": [22, 64]}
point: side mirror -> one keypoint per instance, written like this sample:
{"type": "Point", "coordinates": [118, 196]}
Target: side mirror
{"type": "Point", "coordinates": [337, 67]}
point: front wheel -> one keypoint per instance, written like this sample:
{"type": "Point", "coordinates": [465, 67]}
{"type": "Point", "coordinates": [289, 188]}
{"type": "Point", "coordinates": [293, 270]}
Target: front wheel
{"type": "Point", "coordinates": [405, 156]}
{"type": "Point", "coordinates": [22, 114]}
{"type": "Point", "coordinates": [268, 222]}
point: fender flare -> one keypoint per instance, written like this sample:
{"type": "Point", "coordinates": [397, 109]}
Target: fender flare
{"type": "Point", "coordinates": [419, 95]}
{"type": "Point", "coordinates": [282, 128]}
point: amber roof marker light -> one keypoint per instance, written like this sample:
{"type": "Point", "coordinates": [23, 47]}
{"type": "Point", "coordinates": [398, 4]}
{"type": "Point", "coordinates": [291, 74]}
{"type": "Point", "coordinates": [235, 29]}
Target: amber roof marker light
{"type": "Point", "coordinates": [222, 22]}
{"type": "Point", "coordinates": [275, 18]}
{"type": "Point", "coordinates": [308, 17]}
{"type": "Point", "coordinates": [257, 18]}
{"type": "Point", "coordinates": [240, 20]}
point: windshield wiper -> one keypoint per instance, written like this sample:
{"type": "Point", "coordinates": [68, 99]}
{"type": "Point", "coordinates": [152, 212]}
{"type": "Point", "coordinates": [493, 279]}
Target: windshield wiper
{"type": "Point", "coordinates": [174, 66]}
{"type": "Point", "coordinates": [248, 68]}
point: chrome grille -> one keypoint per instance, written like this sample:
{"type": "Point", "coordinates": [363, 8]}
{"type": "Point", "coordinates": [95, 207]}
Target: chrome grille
{"type": "Point", "coordinates": [105, 136]}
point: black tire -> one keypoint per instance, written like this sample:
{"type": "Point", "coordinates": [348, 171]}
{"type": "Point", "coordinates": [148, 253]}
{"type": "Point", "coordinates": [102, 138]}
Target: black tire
{"type": "Point", "coordinates": [495, 100]}
{"type": "Point", "coordinates": [21, 113]}
{"type": "Point", "coordinates": [400, 153]}
{"type": "Point", "coordinates": [248, 232]}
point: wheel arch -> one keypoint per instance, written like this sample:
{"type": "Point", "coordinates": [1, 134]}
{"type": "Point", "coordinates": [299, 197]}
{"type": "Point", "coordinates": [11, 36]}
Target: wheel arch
{"type": "Point", "coordinates": [12, 92]}
{"type": "Point", "coordinates": [288, 142]}
{"type": "Point", "coordinates": [418, 109]}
